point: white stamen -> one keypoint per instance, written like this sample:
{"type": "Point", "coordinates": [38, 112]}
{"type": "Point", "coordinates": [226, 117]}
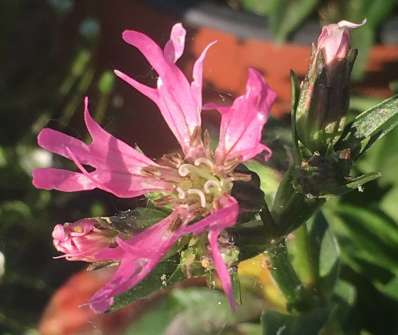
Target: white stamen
{"type": "Point", "coordinates": [184, 170]}
{"type": "Point", "coordinates": [181, 193]}
{"type": "Point", "coordinates": [212, 184]}
{"type": "Point", "coordinates": [204, 161]}
{"type": "Point", "coordinates": [200, 194]}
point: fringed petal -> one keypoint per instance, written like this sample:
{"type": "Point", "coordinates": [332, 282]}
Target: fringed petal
{"type": "Point", "coordinates": [215, 223]}
{"type": "Point", "coordinates": [140, 256]}
{"type": "Point", "coordinates": [118, 167]}
{"type": "Point", "coordinates": [178, 101]}
{"type": "Point", "coordinates": [242, 123]}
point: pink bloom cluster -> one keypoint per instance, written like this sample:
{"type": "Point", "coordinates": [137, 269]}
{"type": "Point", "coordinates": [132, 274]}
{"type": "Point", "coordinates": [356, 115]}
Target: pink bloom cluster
{"type": "Point", "coordinates": [196, 183]}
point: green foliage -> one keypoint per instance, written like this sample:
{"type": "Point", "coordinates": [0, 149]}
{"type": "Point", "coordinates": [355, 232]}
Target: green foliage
{"type": "Point", "coordinates": [315, 255]}
{"type": "Point", "coordinates": [197, 311]}
{"type": "Point", "coordinates": [370, 126]}
{"type": "Point", "coordinates": [284, 15]}
{"type": "Point", "coordinates": [306, 323]}
{"type": "Point", "coordinates": [375, 13]}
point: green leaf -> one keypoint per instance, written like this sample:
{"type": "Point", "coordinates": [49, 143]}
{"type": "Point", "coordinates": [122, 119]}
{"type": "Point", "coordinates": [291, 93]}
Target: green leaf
{"type": "Point", "coordinates": [383, 158]}
{"type": "Point", "coordinates": [256, 6]}
{"type": "Point", "coordinates": [195, 311]}
{"type": "Point", "coordinates": [329, 252]}
{"type": "Point", "coordinates": [357, 182]}
{"type": "Point", "coordinates": [370, 126]}
{"type": "Point", "coordinates": [343, 301]}
{"type": "Point", "coordinates": [345, 292]}
{"type": "Point", "coordinates": [366, 235]}
{"type": "Point", "coordinates": [311, 323]}
{"type": "Point", "coordinates": [390, 288]}
{"type": "Point", "coordinates": [269, 178]}
{"type": "Point", "coordinates": [286, 15]}
{"type": "Point", "coordinates": [166, 273]}
{"type": "Point", "coordinates": [156, 320]}
{"type": "Point", "coordinates": [315, 254]}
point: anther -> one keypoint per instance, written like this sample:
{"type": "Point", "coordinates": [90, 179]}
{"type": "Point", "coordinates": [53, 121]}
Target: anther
{"type": "Point", "coordinates": [205, 161]}
{"type": "Point", "coordinates": [184, 170]}
{"type": "Point", "coordinates": [181, 193]}
{"type": "Point", "coordinates": [212, 184]}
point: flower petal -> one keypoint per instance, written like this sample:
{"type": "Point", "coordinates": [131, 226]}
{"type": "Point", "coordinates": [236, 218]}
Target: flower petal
{"type": "Point", "coordinates": [242, 123]}
{"type": "Point", "coordinates": [223, 218]}
{"type": "Point", "coordinates": [140, 256]}
{"type": "Point", "coordinates": [216, 223]}
{"type": "Point", "coordinates": [61, 180]}
{"type": "Point", "coordinates": [221, 268]}
{"type": "Point", "coordinates": [117, 165]}
{"type": "Point", "coordinates": [175, 46]}
{"type": "Point", "coordinates": [177, 100]}
{"type": "Point", "coordinates": [197, 83]}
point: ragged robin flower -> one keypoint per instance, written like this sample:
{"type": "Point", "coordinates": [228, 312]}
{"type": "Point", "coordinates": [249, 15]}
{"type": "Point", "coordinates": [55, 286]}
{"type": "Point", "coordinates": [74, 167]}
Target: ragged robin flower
{"type": "Point", "coordinates": [196, 182]}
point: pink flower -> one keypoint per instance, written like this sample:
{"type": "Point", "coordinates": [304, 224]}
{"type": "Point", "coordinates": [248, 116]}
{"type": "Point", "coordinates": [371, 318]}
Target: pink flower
{"type": "Point", "coordinates": [195, 184]}
{"type": "Point", "coordinates": [334, 40]}
{"type": "Point", "coordinates": [81, 240]}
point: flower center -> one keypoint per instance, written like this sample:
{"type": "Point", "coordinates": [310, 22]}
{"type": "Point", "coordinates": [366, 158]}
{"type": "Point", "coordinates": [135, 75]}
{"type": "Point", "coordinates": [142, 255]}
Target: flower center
{"type": "Point", "coordinates": [196, 185]}
{"type": "Point", "coordinates": [200, 186]}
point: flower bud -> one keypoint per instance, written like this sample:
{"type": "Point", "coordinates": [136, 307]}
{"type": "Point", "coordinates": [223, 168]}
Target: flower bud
{"type": "Point", "coordinates": [334, 40]}
{"type": "Point", "coordinates": [324, 93]}
{"type": "Point", "coordinates": [81, 240]}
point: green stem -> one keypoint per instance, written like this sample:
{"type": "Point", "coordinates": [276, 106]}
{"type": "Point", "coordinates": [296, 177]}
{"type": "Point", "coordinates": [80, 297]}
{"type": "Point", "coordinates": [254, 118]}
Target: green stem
{"type": "Point", "coordinates": [292, 208]}
{"type": "Point", "coordinates": [285, 276]}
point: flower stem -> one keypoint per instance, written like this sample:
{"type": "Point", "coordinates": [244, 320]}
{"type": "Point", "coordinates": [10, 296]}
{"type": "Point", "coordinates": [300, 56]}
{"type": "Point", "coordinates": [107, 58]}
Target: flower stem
{"type": "Point", "coordinates": [291, 208]}
{"type": "Point", "coordinates": [285, 276]}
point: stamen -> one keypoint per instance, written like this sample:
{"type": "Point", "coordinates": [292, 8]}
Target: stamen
{"type": "Point", "coordinates": [181, 193]}
{"type": "Point", "coordinates": [205, 161]}
{"type": "Point", "coordinates": [231, 164]}
{"type": "Point", "coordinates": [150, 171]}
{"type": "Point", "coordinates": [212, 184]}
{"type": "Point", "coordinates": [184, 170]}
{"type": "Point", "coordinates": [200, 194]}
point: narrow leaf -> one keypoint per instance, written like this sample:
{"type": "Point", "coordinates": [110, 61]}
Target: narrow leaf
{"type": "Point", "coordinates": [371, 126]}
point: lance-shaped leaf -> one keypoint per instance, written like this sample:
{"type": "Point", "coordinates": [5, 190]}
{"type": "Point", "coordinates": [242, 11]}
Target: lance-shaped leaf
{"type": "Point", "coordinates": [370, 126]}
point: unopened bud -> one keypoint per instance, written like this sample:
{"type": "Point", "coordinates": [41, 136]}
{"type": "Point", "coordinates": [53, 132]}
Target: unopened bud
{"type": "Point", "coordinates": [325, 91]}
{"type": "Point", "coordinates": [334, 40]}
{"type": "Point", "coordinates": [81, 240]}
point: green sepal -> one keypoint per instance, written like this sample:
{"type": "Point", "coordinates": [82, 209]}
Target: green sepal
{"type": "Point", "coordinates": [295, 93]}
{"type": "Point", "coordinates": [355, 183]}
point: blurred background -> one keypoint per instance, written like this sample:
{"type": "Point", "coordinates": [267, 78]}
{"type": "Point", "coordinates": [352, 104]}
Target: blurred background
{"type": "Point", "coordinates": [55, 52]}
